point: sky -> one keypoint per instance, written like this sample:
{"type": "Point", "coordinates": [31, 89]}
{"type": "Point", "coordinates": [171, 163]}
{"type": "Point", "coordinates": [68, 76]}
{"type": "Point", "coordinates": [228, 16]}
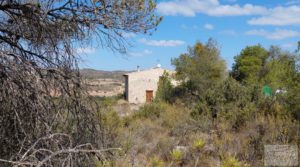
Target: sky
{"type": "Point", "coordinates": [234, 24]}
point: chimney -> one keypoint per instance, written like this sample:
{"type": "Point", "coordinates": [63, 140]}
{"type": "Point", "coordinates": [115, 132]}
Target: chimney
{"type": "Point", "coordinates": [138, 68]}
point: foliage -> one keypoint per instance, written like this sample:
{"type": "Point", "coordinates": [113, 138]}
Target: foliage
{"type": "Point", "coordinates": [201, 68]}
{"type": "Point", "coordinates": [293, 99]}
{"type": "Point", "coordinates": [257, 68]}
{"type": "Point", "coordinates": [241, 131]}
{"type": "Point", "coordinates": [165, 88]}
{"type": "Point", "coordinates": [232, 162]}
{"type": "Point", "coordinates": [112, 128]}
{"type": "Point", "coordinates": [157, 162]}
{"type": "Point", "coordinates": [198, 144]}
{"type": "Point", "coordinates": [229, 98]}
{"type": "Point", "coordinates": [151, 111]}
{"type": "Point", "coordinates": [231, 118]}
{"type": "Point", "coordinates": [281, 68]}
{"type": "Point", "coordinates": [176, 155]}
{"type": "Point", "coordinates": [249, 64]}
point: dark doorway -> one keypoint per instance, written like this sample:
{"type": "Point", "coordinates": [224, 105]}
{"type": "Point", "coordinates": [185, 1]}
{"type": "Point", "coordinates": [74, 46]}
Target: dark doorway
{"type": "Point", "coordinates": [149, 95]}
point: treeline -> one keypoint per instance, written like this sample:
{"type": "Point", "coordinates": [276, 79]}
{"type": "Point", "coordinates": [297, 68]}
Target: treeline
{"type": "Point", "coordinates": [264, 80]}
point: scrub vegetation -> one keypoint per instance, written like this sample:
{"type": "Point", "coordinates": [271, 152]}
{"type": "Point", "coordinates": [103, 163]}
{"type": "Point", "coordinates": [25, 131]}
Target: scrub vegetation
{"type": "Point", "coordinates": [214, 117]}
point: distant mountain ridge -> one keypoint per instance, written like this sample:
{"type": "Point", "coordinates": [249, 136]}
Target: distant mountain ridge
{"type": "Point", "coordinates": [101, 74]}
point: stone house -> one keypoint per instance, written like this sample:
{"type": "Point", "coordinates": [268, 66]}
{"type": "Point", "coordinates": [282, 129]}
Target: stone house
{"type": "Point", "coordinates": [141, 86]}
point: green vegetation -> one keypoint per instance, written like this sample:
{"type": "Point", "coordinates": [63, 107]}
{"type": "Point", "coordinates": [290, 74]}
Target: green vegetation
{"type": "Point", "coordinates": [214, 118]}
{"type": "Point", "coordinates": [249, 64]}
{"type": "Point", "coordinates": [232, 162]}
{"type": "Point", "coordinates": [198, 144]}
{"type": "Point", "coordinates": [156, 162]}
{"type": "Point", "coordinates": [201, 68]}
{"type": "Point", "coordinates": [165, 89]}
{"type": "Point", "coordinates": [176, 155]}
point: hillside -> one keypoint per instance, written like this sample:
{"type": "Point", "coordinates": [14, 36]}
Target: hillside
{"type": "Point", "coordinates": [104, 83]}
{"type": "Point", "coordinates": [100, 74]}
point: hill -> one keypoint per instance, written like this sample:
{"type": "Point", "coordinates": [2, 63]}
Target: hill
{"type": "Point", "coordinates": [100, 74]}
{"type": "Point", "coordinates": [104, 83]}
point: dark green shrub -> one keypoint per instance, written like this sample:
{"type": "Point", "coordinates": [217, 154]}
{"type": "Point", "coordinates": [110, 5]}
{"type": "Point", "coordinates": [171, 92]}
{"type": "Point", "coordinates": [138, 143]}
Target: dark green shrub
{"type": "Point", "coordinates": [165, 88]}
{"type": "Point", "coordinates": [151, 111]}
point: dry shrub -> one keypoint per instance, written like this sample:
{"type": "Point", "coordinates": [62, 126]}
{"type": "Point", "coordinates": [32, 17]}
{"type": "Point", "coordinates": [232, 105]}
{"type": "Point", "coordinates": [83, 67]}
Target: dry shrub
{"type": "Point", "coordinates": [248, 142]}
{"type": "Point", "coordinates": [173, 116]}
{"type": "Point", "coordinates": [170, 126]}
{"type": "Point", "coordinates": [164, 147]}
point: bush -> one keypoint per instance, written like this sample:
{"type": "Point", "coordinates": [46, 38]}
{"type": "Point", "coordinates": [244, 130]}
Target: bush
{"type": "Point", "coordinates": [151, 111]}
{"type": "Point", "coordinates": [164, 146]}
{"type": "Point", "coordinates": [200, 109]}
{"type": "Point", "coordinates": [157, 162]}
{"type": "Point", "coordinates": [232, 162]}
{"type": "Point", "coordinates": [176, 155]}
{"type": "Point", "coordinates": [198, 144]}
{"type": "Point", "coordinates": [112, 126]}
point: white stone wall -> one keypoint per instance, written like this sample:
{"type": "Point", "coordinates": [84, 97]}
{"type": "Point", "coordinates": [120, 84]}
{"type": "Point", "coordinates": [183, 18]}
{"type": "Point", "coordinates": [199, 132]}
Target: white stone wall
{"type": "Point", "coordinates": [140, 81]}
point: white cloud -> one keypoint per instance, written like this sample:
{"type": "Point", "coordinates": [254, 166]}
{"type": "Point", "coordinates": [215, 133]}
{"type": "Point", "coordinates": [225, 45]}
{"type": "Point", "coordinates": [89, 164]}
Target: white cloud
{"type": "Point", "coordinates": [128, 34]}
{"type": "Point", "coordinates": [288, 14]}
{"type": "Point", "coordinates": [185, 7]}
{"type": "Point", "coordinates": [145, 52]}
{"type": "Point", "coordinates": [210, 7]}
{"type": "Point", "coordinates": [237, 10]}
{"type": "Point", "coordinates": [279, 16]}
{"type": "Point", "coordinates": [275, 35]}
{"type": "Point", "coordinates": [162, 43]}
{"type": "Point", "coordinates": [209, 26]}
{"type": "Point", "coordinates": [85, 50]}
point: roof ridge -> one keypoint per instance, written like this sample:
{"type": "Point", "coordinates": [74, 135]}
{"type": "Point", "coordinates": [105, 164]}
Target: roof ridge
{"type": "Point", "coordinates": [147, 70]}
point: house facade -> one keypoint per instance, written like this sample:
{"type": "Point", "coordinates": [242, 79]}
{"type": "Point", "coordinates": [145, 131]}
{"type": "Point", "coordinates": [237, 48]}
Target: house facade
{"type": "Point", "coordinates": [141, 86]}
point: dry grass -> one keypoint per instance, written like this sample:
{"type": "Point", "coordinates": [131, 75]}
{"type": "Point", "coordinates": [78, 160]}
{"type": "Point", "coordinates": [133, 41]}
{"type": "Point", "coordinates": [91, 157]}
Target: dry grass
{"type": "Point", "coordinates": [154, 135]}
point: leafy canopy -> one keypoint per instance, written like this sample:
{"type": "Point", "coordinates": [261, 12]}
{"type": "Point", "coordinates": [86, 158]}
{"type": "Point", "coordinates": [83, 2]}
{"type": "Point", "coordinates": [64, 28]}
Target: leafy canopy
{"type": "Point", "coordinates": [248, 66]}
{"type": "Point", "coordinates": [201, 68]}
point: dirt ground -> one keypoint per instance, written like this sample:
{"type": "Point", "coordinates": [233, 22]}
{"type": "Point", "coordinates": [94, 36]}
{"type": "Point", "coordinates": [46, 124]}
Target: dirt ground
{"type": "Point", "coordinates": [105, 87]}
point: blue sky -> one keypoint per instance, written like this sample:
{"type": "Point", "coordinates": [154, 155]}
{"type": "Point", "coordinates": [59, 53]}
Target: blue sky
{"type": "Point", "coordinates": [233, 23]}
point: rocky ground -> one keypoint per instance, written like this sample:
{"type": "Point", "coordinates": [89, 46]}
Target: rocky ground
{"type": "Point", "coordinates": [104, 83]}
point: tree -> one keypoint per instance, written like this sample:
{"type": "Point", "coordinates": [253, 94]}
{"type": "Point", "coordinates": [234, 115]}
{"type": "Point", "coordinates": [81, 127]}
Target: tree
{"type": "Point", "coordinates": [165, 88]}
{"type": "Point", "coordinates": [278, 69]}
{"type": "Point", "coordinates": [249, 64]}
{"type": "Point", "coordinates": [201, 68]}
{"type": "Point", "coordinates": [281, 68]}
{"type": "Point", "coordinates": [41, 92]}
{"type": "Point", "coordinates": [292, 100]}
